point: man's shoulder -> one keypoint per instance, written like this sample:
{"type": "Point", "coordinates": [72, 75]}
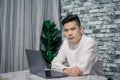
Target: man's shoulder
{"type": "Point", "coordinates": [65, 42]}
{"type": "Point", "coordinates": [88, 39]}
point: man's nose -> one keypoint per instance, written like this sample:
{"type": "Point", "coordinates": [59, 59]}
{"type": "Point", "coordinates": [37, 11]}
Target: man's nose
{"type": "Point", "coordinates": [69, 33]}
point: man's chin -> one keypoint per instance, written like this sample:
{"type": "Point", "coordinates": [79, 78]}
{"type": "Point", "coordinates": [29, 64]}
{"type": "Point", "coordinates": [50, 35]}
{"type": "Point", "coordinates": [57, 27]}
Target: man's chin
{"type": "Point", "coordinates": [71, 41]}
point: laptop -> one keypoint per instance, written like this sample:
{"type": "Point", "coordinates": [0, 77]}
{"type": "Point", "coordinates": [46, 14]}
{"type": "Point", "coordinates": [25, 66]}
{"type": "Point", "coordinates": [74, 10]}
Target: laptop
{"type": "Point", "coordinates": [37, 65]}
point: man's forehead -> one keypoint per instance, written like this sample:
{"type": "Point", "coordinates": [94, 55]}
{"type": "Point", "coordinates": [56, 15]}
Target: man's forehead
{"type": "Point", "coordinates": [70, 27]}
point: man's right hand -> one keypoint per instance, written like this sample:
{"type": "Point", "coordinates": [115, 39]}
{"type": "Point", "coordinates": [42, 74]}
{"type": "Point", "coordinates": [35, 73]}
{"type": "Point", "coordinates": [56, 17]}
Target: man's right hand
{"type": "Point", "coordinates": [74, 71]}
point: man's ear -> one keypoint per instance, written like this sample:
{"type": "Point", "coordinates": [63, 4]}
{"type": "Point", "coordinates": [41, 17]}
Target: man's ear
{"type": "Point", "coordinates": [81, 29]}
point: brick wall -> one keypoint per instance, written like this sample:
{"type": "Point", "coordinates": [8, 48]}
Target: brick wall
{"type": "Point", "coordinates": [101, 20]}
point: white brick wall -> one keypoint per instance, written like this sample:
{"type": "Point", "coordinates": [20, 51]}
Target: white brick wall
{"type": "Point", "coordinates": [104, 16]}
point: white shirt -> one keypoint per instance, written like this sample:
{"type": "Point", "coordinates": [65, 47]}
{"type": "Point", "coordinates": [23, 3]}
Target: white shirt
{"type": "Point", "coordinates": [85, 55]}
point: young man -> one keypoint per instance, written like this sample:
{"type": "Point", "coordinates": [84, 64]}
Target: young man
{"type": "Point", "coordinates": [78, 51]}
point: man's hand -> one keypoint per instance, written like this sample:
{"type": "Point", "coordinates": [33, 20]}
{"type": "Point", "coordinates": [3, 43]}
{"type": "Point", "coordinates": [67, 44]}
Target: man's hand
{"type": "Point", "coordinates": [74, 71]}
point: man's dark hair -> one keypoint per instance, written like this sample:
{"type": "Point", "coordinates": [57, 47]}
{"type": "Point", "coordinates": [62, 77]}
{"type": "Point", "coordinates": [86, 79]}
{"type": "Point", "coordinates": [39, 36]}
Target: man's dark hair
{"type": "Point", "coordinates": [71, 18]}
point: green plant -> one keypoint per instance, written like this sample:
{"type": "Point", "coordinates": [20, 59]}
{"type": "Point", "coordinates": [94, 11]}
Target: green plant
{"type": "Point", "coordinates": [51, 39]}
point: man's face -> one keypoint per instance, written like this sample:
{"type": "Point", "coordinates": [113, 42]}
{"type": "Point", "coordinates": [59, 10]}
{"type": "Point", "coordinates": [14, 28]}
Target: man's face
{"type": "Point", "coordinates": [73, 32]}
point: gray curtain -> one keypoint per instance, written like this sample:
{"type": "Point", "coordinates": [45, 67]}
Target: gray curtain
{"type": "Point", "coordinates": [20, 29]}
{"type": "Point", "coordinates": [0, 34]}
{"type": "Point", "coordinates": [52, 11]}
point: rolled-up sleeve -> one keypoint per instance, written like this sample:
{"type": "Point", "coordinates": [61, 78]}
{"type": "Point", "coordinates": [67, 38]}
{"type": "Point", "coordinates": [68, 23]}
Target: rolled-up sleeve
{"type": "Point", "coordinates": [58, 61]}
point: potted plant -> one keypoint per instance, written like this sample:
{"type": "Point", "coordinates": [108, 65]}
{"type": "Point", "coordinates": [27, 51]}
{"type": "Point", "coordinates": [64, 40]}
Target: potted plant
{"type": "Point", "coordinates": [50, 41]}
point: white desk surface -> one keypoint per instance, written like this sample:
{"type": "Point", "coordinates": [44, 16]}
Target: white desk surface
{"type": "Point", "coordinates": [26, 75]}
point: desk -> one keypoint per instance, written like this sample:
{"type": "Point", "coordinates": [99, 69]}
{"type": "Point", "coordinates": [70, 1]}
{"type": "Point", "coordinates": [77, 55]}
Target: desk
{"type": "Point", "coordinates": [26, 75]}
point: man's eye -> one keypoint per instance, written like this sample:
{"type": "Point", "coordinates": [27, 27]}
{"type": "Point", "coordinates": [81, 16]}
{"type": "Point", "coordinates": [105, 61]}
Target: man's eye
{"type": "Point", "coordinates": [73, 29]}
{"type": "Point", "coordinates": [65, 30]}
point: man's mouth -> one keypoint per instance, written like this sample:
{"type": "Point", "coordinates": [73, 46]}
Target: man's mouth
{"type": "Point", "coordinates": [71, 38]}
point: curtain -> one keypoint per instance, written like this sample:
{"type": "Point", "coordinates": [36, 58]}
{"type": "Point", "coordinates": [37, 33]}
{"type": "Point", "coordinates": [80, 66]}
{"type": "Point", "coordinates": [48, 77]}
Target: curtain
{"type": "Point", "coordinates": [20, 29]}
{"type": "Point", "coordinates": [52, 7]}
{"type": "Point", "coordinates": [0, 45]}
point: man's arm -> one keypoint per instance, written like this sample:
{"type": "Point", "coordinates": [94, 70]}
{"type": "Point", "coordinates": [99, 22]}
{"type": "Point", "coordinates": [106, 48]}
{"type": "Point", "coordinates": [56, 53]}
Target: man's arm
{"type": "Point", "coordinates": [60, 59]}
{"type": "Point", "coordinates": [74, 71]}
{"type": "Point", "coordinates": [88, 57]}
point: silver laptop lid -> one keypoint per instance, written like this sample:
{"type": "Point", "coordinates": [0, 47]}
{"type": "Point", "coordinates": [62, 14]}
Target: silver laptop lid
{"type": "Point", "coordinates": [37, 65]}
{"type": "Point", "coordinates": [35, 62]}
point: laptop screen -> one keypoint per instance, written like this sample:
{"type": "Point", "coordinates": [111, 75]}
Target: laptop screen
{"type": "Point", "coordinates": [37, 65]}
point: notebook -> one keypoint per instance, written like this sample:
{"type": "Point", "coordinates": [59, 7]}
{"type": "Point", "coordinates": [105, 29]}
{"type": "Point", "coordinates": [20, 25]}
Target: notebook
{"type": "Point", "coordinates": [37, 66]}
